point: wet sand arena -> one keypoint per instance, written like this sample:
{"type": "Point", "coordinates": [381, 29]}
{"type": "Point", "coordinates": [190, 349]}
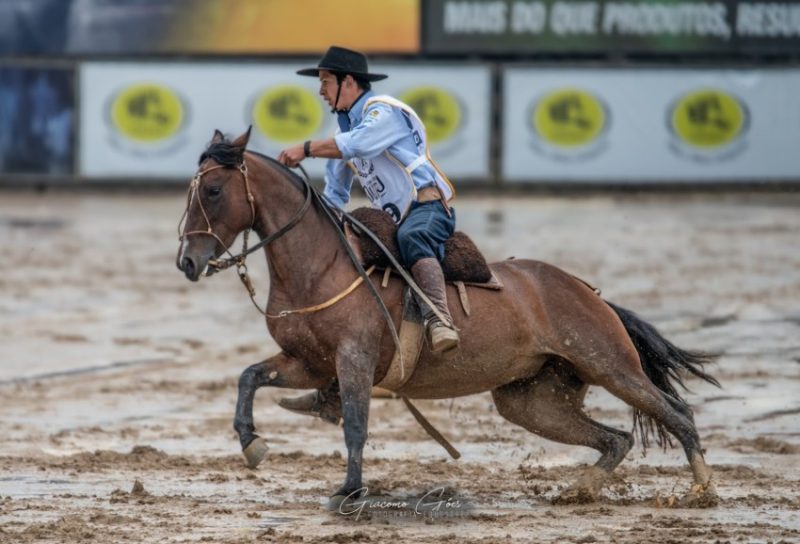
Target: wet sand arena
{"type": "Point", "coordinates": [118, 382]}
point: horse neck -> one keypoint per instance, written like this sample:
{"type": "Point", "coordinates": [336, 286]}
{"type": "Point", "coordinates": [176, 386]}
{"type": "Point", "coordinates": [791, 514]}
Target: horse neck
{"type": "Point", "coordinates": [299, 258]}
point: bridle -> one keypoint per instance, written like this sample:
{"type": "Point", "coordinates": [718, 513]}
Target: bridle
{"type": "Point", "coordinates": [216, 265]}
{"type": "Point", "coordinates": [194, 187]}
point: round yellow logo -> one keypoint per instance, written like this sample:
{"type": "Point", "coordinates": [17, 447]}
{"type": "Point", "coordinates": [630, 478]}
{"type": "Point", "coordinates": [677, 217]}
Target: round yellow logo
{"type": "Point", "coordinates": [287, 113]}
{"type": "Point", "coordinates": [439, 111]}
{"type": "Point", "coordinates": [569, 118]}
{"type": "Point", "coordinates": [147, 113]}
{"type": "Point", "coordinates": [708, 118]}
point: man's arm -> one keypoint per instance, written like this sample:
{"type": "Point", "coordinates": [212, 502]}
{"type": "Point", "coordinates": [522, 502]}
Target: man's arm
{"type": "Point", "coordinates": [326, 149]}
{"type": "Point", "coordinates": [379, 129]}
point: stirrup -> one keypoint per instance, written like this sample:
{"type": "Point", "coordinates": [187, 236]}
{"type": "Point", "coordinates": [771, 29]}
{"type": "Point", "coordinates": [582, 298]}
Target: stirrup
{"type": "Point", "coordinates": [443, 337]}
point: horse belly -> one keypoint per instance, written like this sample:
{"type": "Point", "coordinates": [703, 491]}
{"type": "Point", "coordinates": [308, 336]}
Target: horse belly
{"type": "Point", "coordinates": [437, 378]}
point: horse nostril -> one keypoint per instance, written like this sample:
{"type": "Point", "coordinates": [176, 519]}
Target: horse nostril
{"type": "Point", "coordinates": [187, 265]}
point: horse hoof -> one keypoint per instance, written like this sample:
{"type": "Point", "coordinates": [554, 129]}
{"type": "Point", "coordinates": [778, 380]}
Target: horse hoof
{"type": "Point", "coordinates": [255, 452]}
{"type": "Point", "coordinates": [346, 502]}
{"type": "Point", "coordinates": [700, 496]}
{"type": "Point", "coordinates": [338, 502]}
{"type": "Point", "coordinates": [575, 495]}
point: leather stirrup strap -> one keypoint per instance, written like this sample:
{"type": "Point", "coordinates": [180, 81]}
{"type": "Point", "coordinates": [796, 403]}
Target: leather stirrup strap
{"type": "Point", "coordinates": [436, 435]}
{"type": "Point", "coordinates": [463, 296]}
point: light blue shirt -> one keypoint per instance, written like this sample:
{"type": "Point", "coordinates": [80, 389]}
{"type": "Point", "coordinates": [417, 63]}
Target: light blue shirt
{"type": "Point", "coordinates": [380, 128]}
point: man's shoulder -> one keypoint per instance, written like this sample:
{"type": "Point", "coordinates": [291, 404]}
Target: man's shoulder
{"type": "Point", "coordinates": [383, 101]}
{"type": "Point", "coordinates": [376, 105]}
{"type": "Point", "coordinates": [377, 108]}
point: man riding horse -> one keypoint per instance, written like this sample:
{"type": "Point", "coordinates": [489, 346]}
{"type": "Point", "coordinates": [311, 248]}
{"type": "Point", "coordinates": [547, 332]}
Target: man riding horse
{"type": "Point", "coordinates": [382, 142]}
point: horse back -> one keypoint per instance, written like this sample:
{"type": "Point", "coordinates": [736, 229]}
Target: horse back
{"type": "Point", "coordinates": [509, 334]}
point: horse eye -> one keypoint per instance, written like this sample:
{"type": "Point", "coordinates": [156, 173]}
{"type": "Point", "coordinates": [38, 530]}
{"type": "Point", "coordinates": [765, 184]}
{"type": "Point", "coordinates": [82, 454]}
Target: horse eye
{"type": "Point", "coordinates": [214, 191]}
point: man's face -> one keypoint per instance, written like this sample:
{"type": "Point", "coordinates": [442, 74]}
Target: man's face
{"type": "Point", "coordinates": [328, 87]}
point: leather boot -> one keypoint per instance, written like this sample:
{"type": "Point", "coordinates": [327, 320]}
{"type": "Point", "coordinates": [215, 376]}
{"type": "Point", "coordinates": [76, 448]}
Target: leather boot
{"type": "Point", "coordinates": [325, 404]}
{"type": "Point", "coordinates": [430, 278]}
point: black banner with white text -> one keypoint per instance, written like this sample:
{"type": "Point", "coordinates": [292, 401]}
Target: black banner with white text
{"type": "Point", "coordinates": [651, 27]}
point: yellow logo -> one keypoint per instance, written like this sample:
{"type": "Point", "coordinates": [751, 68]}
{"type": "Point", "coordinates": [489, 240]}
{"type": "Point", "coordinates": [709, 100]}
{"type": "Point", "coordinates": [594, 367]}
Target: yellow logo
{"type": "Point", "coordinates": [708, 119]}
{"type": "Point", "coordinates": [569, 118]}
{"type": "Point", "coordinates": [147, 113]}
{"type": "Point", "coordinates": [287, 113]}
{"type": "Point", "coordinates": [438, 109]}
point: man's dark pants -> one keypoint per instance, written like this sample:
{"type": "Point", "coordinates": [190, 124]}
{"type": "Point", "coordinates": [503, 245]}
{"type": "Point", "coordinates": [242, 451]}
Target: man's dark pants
{"type": "Point", "coordinates": [424, 231]}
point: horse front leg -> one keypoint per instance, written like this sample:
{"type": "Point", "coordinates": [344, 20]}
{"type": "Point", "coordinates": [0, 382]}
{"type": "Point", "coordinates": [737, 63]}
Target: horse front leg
{"type": "Point", "coordinates": [281, 370]}
{"type": "Point", "coordinates": [355, 367]}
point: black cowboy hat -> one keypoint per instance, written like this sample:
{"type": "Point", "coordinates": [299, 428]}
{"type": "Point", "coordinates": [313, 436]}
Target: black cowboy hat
{"type": "Point", "coordinates": [343, 61]}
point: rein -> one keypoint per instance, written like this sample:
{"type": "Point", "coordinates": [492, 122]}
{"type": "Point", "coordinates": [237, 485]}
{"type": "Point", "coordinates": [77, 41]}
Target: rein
{"type": "Point", "coordinates": [397, 266]}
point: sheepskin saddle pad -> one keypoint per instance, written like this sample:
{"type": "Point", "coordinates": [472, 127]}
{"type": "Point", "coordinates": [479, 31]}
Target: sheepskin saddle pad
{"type": "Point", "coordinates": [462, 260]}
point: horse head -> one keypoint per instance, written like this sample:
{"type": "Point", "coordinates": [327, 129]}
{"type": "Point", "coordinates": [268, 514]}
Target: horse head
{"type": "Point", "coordinates": [219, 205]}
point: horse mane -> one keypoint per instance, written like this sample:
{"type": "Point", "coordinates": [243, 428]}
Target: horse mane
{"type": "Point", "coordinates": [224, 153]}
{"type": "Point", "coordinates": [227, 154]}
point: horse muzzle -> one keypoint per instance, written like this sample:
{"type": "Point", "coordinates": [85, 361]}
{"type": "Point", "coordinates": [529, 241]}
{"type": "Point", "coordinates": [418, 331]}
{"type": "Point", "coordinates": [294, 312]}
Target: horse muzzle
{"type": "Point", "coordinates": [194, 260]}
{"type": "Point", "coordinates": [194, 266]}
{"type": "Point", "coordinates": [190, 268]}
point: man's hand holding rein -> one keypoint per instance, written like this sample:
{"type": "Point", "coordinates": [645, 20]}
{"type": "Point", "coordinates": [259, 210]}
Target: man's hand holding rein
{"type": "Point", "coordinates": [326, 149]}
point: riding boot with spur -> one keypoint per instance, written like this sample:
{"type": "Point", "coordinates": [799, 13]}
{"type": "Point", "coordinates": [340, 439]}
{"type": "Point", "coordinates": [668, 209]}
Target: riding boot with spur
{"type": "Point", "coordinates": [430, 278]}
{"type": "Point", "coordinates": [322, 403]}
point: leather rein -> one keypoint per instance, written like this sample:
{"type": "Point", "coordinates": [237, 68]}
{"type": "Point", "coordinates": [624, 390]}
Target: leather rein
{"type": "Point", "coordinates": [216, 265]}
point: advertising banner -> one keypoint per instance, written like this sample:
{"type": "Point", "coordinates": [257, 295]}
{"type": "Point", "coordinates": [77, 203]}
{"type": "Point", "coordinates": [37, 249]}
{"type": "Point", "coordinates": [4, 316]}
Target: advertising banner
{"type": "Point", "coordinates": [36, 120]}
{"type": "Point", "coordinates": [154, 119]}
{"type": "Point", "coordinates": [603, 26]}
{"type": "Point", "coordinates": [650, 125]}
{"type": "Point", "coordinates": [133, 27]}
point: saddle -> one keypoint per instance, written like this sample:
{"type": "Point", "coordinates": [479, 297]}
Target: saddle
{"type": "Point", "coordinates": [462, 262]}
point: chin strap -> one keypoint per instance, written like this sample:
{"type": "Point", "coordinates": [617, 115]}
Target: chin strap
{"type": "Point", "coordinates": [339, 79]}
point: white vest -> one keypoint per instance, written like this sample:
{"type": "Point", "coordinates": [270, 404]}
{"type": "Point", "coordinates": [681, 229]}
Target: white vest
{"type": "Point", "coordinates": [386, 181]}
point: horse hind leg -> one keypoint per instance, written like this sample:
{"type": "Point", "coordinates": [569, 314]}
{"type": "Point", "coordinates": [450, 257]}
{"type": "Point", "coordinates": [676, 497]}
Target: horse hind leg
{"type": "Point", "coordinates": [646, 383]}
{"type": "Point", "coordinates": [551, 405]}
{"type": "Point", "coordinates": [629, 383]}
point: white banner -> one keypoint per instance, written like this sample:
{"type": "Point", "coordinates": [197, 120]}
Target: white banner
{"type": "Point", "coordinates": [154, 119]}
{"type": "Point", "coordinates": [611, 125]}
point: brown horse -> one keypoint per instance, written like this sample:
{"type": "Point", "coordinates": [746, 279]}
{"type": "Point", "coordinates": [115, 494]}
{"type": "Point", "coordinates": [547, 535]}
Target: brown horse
{"type": "Point", "coordinates": [536, 345]}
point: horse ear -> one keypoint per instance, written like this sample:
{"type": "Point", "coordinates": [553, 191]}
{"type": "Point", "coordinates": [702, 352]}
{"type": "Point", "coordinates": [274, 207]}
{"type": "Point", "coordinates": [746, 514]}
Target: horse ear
{"type": "Point", "coordinates": [218, 137]}
{"type": "Point", "coordinates": [242, 140]}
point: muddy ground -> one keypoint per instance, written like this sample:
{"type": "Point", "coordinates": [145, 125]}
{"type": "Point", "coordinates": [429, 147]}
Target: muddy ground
{"type": "Point", "coordinates": [117, 385]}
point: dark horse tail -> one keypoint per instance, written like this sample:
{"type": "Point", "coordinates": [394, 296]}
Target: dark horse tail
{"type": "Point", "coordinates": [663, 362]}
